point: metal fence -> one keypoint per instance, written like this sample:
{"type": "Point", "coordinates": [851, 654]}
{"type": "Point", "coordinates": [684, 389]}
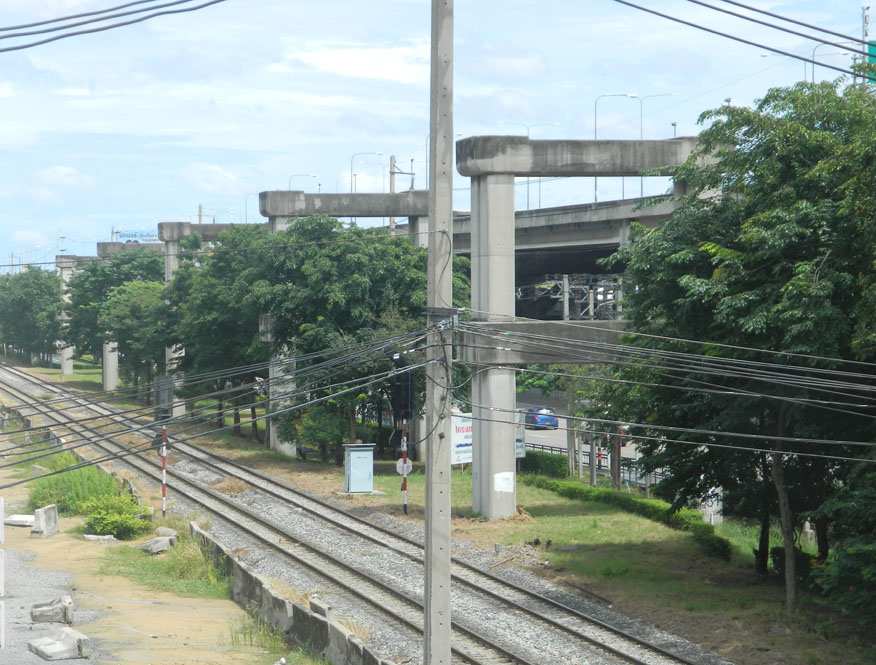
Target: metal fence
{"type": "Point", "coordinates": [630, 471]}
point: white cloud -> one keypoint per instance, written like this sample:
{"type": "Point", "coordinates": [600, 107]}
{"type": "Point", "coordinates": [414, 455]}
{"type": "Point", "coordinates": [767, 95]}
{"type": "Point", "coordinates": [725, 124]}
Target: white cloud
{"type": "Point", "coordinates": [44, 195]}
{"type": "Point", "coordinates": [402, 64]}
{"type": "Point", "coordinates": [30, 238]}
{"type": "Point", "coordinates": [66, 177]}
{"type": "Point", "coordinates": [211, 178]}
{"type": "Point", "coordinates": [507, 62]}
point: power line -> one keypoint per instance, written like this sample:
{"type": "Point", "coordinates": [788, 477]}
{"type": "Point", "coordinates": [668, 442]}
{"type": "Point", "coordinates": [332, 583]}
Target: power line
{"type": "Point", "coordinates": [791, 20]}
{"type": "Point", "coordinates": [89, 21]}
{"type": "Point", "coordinates": [717, 345]}
{"type": "Point", "coordinates": [734, 38]}
{"type": "Point", "coordinates": [74, 16]}
{"type": "Point", "coordinates": [110, 27]}
{"type": "Point", "coordinates": [774, 26]}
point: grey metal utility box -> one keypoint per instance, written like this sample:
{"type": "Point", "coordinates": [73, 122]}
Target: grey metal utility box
{"type": "Point", "coordinates": [359, 468]}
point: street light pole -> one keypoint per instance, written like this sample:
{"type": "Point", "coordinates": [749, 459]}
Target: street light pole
{"type": "Point", "coordinates": [641, 122]}
{"type": "Point", "coordinates": [595, 102]}
{"type": "Point", "coordinates": [300, 175]}
{"type": "Point", "coordinates": [818, 46]}
{"type": "Point", "coordinates": [356, 154]}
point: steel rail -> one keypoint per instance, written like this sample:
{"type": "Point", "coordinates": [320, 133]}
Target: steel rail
{"type": "Point", "coordinates": [592, 621]}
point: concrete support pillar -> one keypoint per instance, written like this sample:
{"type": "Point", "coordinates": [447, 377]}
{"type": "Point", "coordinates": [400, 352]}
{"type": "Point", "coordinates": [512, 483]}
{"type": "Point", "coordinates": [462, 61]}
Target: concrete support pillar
{"type": "Point", "coordinates": [110, 366]}
{"type": "Point", "coordinates": [493, 465]}
{"type": "Point", "coordinates": [66, 353]}
{"type": "Point", "coordinates": [418, 230]}
{"type": "Point", "coordinates": [173, 354]}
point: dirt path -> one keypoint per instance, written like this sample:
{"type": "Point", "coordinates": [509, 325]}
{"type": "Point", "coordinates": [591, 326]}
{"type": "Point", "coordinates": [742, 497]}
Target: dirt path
{"type": "Point", "coordinates": [134, 625]}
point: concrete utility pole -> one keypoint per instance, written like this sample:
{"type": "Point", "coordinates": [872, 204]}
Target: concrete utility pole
{"type": "Point", "coordinates": [436, 650]}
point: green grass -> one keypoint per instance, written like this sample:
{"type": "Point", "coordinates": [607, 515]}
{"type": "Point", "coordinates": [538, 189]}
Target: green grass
{"type": "Point", "coordinates": [184, 570]}
{"type": "Point", "coordinates": [70, 490]}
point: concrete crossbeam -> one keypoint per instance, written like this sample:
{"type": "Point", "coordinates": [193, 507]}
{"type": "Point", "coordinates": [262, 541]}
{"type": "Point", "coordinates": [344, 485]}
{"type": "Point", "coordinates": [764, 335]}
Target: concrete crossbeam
{"type": "Point", "coordinates": [105, 249]}
{"type": "Point", "coordinates": [413, 203]}
{"type": "Point", "coordinates": [520, 156]}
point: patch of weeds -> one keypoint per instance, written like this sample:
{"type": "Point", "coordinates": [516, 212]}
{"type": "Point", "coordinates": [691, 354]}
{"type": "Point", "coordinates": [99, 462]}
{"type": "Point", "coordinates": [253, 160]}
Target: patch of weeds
{"type": "Point", "coordinates": [256, 632]}
{"type": "Point", "coordinates": [184, 570]}
{"type": "Point", "coordinates": [358, 628]}
{"type": "Point", "coordinates": [72, 489]}
{"type": "Point", "coordinates": [613, 570]}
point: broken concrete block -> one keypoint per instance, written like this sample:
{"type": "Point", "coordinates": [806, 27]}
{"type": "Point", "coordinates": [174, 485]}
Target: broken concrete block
{"type": "Point", "coordinates": [166, 531]}
{"type": "Point", "coordinates": [36, 469]}
{"type": "Point", "coordinates": [19, 520]}
{"type": "Point", "coordinates": [158, 545]}
{"type": "Point", "coordinates": [62, 645]}
{"type": "Point", "coordinates": [45, 522]}
{"type": "Point", "coordinates": [100, 539]}
{"type": "Point", "coordinates": [59, 610]}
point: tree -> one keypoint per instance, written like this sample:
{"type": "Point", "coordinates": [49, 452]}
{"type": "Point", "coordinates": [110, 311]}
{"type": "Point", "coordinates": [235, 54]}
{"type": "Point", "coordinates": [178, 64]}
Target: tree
{"type": "Point", "coordinates": [30, 304]}
{"type": "Point", "coordinates": [134, 315]}
{"type": "Point", "coordinates": [328, 285]}
{"type": "Point", "coordinates": [90, 285]}
{"type": "Point", "coordinates": [772, 249]}
{"type": "Point", "coordinates": [215, 314]}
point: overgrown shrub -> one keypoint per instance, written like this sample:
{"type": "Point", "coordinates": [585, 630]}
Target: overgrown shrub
{"type": "Point", "coordinates": [802, 568]}
{"type": "Point", "coordinates": [115, 515]}
{"type": "Point", "coordinates": [849, 577]}
{"type": "Point", "coordinates": [685, 519]}
{"type": "Point", "coordinates": [71, 489]}
{"type": "Point", "coordinates": [545, 464]}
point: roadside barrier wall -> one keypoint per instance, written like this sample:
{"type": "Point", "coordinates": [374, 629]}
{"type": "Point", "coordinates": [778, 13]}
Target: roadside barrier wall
{"type": "Point", "coordinates": [311, 627]}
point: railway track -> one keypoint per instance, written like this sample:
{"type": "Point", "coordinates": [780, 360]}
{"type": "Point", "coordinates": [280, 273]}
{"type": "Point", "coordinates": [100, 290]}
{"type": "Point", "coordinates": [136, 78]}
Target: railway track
{"type": "Point", "coordinates": [301, 528]}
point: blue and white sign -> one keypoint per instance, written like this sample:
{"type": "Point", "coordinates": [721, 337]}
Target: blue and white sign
{"type": "Point", "coordinates": [461, 438]}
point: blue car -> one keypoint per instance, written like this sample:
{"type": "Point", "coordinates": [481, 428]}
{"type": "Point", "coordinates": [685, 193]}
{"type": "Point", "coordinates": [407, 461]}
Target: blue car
{"type": "Point", "coordinates": [540, 417]}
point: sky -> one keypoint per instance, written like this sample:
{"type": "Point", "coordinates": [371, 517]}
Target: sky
{"type": "Point", "coordinates": [123, 129]}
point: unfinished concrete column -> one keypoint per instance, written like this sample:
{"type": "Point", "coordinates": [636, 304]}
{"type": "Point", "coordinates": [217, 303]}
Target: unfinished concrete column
{"type": "Point", "coordinates": [110, 366]}
{"type": "Point", "coordinates": [65, 266]}
{"type": "Point", "coordinates": [494, 492]}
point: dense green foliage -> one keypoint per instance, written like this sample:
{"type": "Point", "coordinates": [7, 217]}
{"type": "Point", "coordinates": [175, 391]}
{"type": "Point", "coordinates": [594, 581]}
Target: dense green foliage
{"type": "Point", "coordinates": [134, 315]}
{"type": "Point", "coordinates": [545, 464]}
{"type": "Point", "coordinates": [117, 515]}
{"type": "Point", "coordinates": [772, 248]}
{"type": "Point", "coordinates": [30, 303]}
{"type": "Point", "coordinates": [71, 490]}
{"type": "Point", "coordinates": [92, 283]}
{"type": "Point", "coordinates": [849, 575]}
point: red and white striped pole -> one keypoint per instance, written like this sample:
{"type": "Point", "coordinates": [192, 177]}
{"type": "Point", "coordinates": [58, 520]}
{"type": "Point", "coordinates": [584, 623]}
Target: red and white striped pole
{"type": "Point", "coordinates": [163, 471]}
{"type": "Point", "coordinates": [404, 448]}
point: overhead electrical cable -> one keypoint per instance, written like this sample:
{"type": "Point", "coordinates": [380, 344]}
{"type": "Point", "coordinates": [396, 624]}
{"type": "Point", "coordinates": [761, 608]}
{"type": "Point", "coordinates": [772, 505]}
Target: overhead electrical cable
{"type": "Point", "coordinates": [70, 17]}
{"type": "Point", "coordinates": [734, 38]}
{"type": "Point", "coordinates": [733, 347]}
{"type": "Point", "coordinates": [560, 347]}
{"type": "Point", "coordinates": [795, 21]}
{"type": "Point", "coordinates": [75, 33]}
{"type": "Point", "coordinates": [173, 3]}
{"type": "Point", "coordinates": [364, 382]}
{"type": "Point", "coordinates": [776, 27]}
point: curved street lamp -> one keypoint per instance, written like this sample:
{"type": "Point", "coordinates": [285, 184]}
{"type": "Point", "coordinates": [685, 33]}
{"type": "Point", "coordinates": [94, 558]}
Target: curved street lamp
{"type": "Point", "coordinates": [356, 154]}
{"type": "Point", "coordinates": [595, 108]}
{"type": "Point", "coordinates": [300, 175]}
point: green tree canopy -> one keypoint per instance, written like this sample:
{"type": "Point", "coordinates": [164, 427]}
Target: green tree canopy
{"type": "Point", "coordinates": [134, 316]}
{"type": "Point", "coordinates": [30, 304]}
{"type": "Point", "coordinates": [772, 248]}
{"type": "Point", "coordinates": [90, 285]}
